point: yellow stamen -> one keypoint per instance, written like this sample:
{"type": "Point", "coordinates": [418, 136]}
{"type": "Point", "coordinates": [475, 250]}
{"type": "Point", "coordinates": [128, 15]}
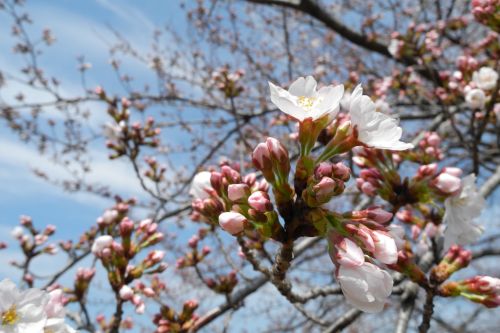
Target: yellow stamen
{"type": "Point", "coordinates": [306, 102]}
{"type": "Point", "coordinates": [10, 317]}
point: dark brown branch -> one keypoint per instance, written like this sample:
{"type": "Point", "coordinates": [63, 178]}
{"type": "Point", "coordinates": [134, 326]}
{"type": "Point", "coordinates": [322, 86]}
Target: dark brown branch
{"type": "Point", "coordinates": [343, 321]}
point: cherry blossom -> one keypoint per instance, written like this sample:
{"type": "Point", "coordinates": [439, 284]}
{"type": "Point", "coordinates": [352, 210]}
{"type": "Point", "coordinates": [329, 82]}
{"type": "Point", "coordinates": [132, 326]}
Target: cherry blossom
{"type": "Point", "coordinates": [365, 287]}
{"type": "Point", "coordinates": [461, 210]}
{"type": "Point", "coordinates": [303, 101]}
{"type": "Point", "coordinates": [200, 184]}
{"type": "Point", "coordinates": [375, 129]}
{"type": "Point", "coordinates": [485, 78]}
{"type": "Point", "coordinates": [22, 311]}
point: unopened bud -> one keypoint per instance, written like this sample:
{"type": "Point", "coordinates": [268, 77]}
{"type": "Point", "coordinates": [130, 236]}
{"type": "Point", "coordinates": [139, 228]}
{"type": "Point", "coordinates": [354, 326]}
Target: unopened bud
{"type": "Point", "coordinates": [232, 222]}
{"type": "Point", "coordinates": [260, 201]}
{"type": "Point", "coordinates": [238, 192]}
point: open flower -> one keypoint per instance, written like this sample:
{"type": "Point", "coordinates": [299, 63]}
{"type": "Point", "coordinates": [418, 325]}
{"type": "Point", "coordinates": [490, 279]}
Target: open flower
{"type": "Point", "coordinates": [365, 287]}
{"type": "Point", "coordinates": [475, 98]}
{"type": "Point", "coordinates": [21, 311]}
{"type": "Point", "coordinates": [303, 101]}
{"type": "Point", "coordinates": [375, 129]}
{"type": "Point", "coordinates": [485, 78]}
{"type": "Point", "coordinates": [200, 185]}
{"type": "Point", "coordinates": [461, 210]}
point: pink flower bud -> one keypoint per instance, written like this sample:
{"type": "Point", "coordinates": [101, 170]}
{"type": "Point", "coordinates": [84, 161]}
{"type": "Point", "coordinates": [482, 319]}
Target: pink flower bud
{"type": "Point", "coordinates": [126, 293]}
{"type": "Point", "coordinates": [230, 174]}
{"type": "Point", "coordinates": [368, 189]}
{"type": "Point", "coordinates": [232, 222]}
{"type": "Point", "coordinates": [427, 170]}
{"type": "Point", "coordinates": [40, 239]}
{"type": "Point", "coordinates": [205, 251]}
{"type": "Point", "coordinates": [324, 169]}
{"type": "Point", "coordinates": [434, 139]}
{"type": "Point", "coordinates": [379, 215]}
{"type": "Point", "coordinates": [49, 229]}
{"type": "Point", "coordinates": [325, 188]}
{"type": "Point", "coordinates": [193, 241]}
{"type": "Point", "coordinates": [250, 179]}
{"type": "Point", "coordinates": [276, 149]}
{"type": "Point", "coordinates": [26, 221]}
{"type": "Point", "coordinates": [238, 192]}
{"type": "Point", "coordinates": [260, 202]}
{"type": "Point", "coordinates": [109, 216]}
{"type": "Point", "coordinates": [341, 171]}
{"type": "Point", "coordinates": [156, 256]}
{"type": "Point", "coordinates": [140, 308]}
{"type": "Point", "coordinates": [405, 215]}
{"type": "Point", "coordinates": [148, 292]}
{"type": "Point", "coordinates": [126, 227]}
{"type": "Point", "coordinates": [447, 183]}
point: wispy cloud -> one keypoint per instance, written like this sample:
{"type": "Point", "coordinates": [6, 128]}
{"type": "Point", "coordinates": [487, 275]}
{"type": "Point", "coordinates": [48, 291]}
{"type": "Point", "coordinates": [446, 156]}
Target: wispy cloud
{"type": "Point", "coordinates": [131, 14]}
{"type": "Point", "coordinates": [18, 179]}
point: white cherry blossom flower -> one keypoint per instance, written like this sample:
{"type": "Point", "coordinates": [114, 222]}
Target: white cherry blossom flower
{"type": "Point", "coordinates": [303, 101]}
{"type": "Point", "coordinates": [475, 98]}
{"type": "Point", "coordinates": [365, 287]}
{"type": "Point", "coordinates": [485, 78]}
{"type": "Point", "coordinates": [201, 183]}
{"type": "Point", "coordinates": [21, 311]}
{"type": "Point", "coordinates": [375, 129]}
{"type": "Point", "coordinates": [461, 210]}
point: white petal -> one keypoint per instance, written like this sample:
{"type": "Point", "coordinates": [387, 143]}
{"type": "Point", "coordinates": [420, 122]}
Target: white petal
{"type": "Point", "coordinates": [303, 87]}
{"type": "Point", "coordinates": [201, 182]}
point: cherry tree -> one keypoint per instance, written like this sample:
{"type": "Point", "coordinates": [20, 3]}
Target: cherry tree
{"type": "Point", "coordinates": [304, 164]}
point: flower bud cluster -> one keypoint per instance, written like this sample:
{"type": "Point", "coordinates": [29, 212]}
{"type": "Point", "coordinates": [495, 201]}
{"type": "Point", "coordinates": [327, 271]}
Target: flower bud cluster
{"type": "Point", "coordinates": [455, 259]}
{"type": "Point", "coordinates": [479, 289]}
{"type": "Point", "coordinates": [227, 82]}
{"type": "Point", "coordinates": [119, 244]}
{"type": "Point", "coordinates": [360, 234]}
{"type": "Point", "coordinates": [124, 137]}
{"type": "Point", "coordinates": [327, 181]}
{"type": "Point", "coordinates": [154, 290]}
{"type": "Point", "coordinates": [429, 149]}
{"type": "Point", "coordinates": [195, 255]}
{"type": "Point", "coordinates": [168, 320]}
{"type": "Point", "coordinates": [223, 284]}
{"type": "Point", "coordinates": [234, 202]}
{"type": "Point", "coordinates": [447, 182]}
{"type": "Point", "coordinates": [33, 243]}
{"type": "Point", "coordinates": [155, 172]}
{"type": "Point", "coordinates": [83, 278]}
{"type": "Point", "coordinates": [487, 12]}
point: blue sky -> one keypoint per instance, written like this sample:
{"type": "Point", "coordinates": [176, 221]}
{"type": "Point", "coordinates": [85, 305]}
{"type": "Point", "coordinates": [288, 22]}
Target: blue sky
{"type": "Point", "coordinates": [81, 28]}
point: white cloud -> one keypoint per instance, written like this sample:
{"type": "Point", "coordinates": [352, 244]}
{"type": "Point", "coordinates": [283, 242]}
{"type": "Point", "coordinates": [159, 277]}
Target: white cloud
{"type": "Point", "coordinates": [132, 15]}
{"type": "Point", "coordinates": [18, 180]}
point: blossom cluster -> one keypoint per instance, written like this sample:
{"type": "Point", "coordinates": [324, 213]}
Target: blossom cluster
{"type": "Point", "coordinates": [121, 240]}
{"type": "Point", "coordinates": [363, 244]}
